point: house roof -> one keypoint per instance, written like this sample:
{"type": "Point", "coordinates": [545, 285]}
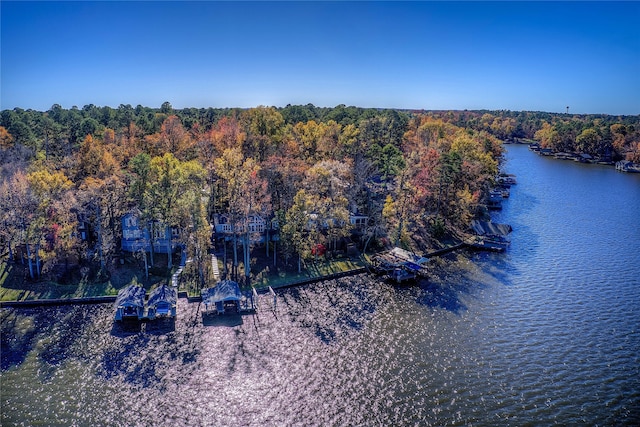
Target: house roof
{"type": "Point", "coordinates": [163, 293]}
{"type": "Point", "coordinates": [132, 295]}
{"type": "Point", "coordinates": [405, 255]}
{"type": "Point", "coordinates": [226, 290]}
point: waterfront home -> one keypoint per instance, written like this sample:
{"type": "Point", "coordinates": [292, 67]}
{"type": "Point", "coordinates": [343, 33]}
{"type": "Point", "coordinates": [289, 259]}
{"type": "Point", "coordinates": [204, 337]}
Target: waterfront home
{"type": "Point", "coordinates": [136, 237]}
{"type": "Point", "coordinates": [130, 303]}
{"type": "Point", "coordinates": [358, 222]}
{"type": "Point", "coordinates": [256, 226]}
{"type": "Point", "coordinates": [224, 298]}
{"type": "Point", "coordinates": [162, 302]}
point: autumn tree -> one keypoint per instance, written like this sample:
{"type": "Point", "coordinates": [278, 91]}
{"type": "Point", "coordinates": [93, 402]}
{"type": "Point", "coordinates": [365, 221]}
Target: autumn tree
{"type": "Point", "coordinates": [17, 207]}
{"type": "Point", "coordinates": [328, 182]}
{"type": "Point", "coordinates": [6, 139]}
{"type": "Point", "coordinates": [175, 139]}
{"type": "Point", "coordinates": [139, 190]}
{"type": "Point", "coordinates": [244, 192]}
{"type": "Point", "coordinates": [225, 134]}
{"type": "Point", "coordinates": [299, 232]}
{"type": "Point", "coordinates": [589, 141]}
{"type": "Point", "coordinates": [49, 228]}
{"type": "Point", "coordinates": [284, 175]}
{"type": "Point", "coordinates": [170, 182]}
{"type": "Point", "coordinates": [264, 127]}
{"type": "Point", "coordinates": [101, 203]}
{"type": "Point", "coordinates": [93, 160]}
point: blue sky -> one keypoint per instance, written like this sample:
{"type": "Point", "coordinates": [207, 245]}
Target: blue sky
{"type": "Point", "coordinates": [539, 56]}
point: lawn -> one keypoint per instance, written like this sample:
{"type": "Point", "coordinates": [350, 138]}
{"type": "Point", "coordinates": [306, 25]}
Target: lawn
{"type": "Point", "coordinates": [15, 285]}
{"type": "Point", "coordinates": [264, 274]}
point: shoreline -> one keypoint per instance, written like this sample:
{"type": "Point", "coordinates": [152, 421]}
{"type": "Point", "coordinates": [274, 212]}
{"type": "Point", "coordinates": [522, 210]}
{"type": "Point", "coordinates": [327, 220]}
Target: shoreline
{"type": "Point", "coordinates": [361, 266]}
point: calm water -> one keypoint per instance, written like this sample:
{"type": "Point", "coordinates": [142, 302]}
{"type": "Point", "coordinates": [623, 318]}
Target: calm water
{"type": "Point", "coordinates": [548, 333]}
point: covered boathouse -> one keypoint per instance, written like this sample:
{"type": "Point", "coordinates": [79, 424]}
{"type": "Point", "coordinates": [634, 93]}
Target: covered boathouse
{"type": "Point", "coordinates": [224, 298]}
{"type": "Point", "coordinates": [162, 302]}
{"type": "Point", "coordinates": [399, 264]}
{"type": "Point", "coordinates": [130, 303]}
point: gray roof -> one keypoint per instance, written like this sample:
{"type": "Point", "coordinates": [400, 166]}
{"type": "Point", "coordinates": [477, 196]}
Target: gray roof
{"type": "Point", "coordinates": [132, 295]}
{"type": "Point", "coordinates": [482, 228]}
{"type": "Point", "coordinates": [226, 290]}
{"type": "Point", "coordinates": [163, 293]}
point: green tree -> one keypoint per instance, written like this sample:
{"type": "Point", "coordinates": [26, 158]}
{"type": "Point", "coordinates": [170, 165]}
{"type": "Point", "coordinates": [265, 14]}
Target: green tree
{"type": "Point", "coordinates": [170, 184]}
{"type": "Point", "coordinates": [299, 236]}
{"type": "Point", "coordinates": [589, 141]}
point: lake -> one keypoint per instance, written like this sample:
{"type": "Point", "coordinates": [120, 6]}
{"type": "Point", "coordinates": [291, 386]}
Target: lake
{"type": "Point", "coordinates": [546, 333]}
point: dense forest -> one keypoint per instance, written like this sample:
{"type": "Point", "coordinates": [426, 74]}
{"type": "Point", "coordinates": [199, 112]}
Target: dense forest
{"type": "Point", "coordinates": [415, 175]}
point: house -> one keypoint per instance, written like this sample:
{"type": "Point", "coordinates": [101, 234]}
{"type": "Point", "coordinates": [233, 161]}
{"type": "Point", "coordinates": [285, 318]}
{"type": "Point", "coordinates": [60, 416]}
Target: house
{"type": "Point", "coordinates": [257, 227]}
{"type": "Point", "coordinates": [161, 241]}
{"type": "Point", "coordinates": [84, 227]}
{"type": "Point", "coordinates": [162, 302]}
{"type": "Point", "coordinates": [130, 303]}
{"type": "Point", "coordinates": [224, 298]}
{"type": "Point", "coordinates": [136, 237]}
{"type": "Point", "coordinates": [358, 222]}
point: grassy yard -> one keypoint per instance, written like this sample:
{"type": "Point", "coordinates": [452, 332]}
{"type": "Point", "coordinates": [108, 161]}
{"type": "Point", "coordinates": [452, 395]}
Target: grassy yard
{"type": "Point", "coordinates": [15, 285]}
{"type": "Point", "coordinates": [264, 274]}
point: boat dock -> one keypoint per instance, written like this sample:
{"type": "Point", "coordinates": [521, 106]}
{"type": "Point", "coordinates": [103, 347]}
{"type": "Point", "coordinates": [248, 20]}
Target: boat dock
{"type": "Point", "coordinates": [399, 265]}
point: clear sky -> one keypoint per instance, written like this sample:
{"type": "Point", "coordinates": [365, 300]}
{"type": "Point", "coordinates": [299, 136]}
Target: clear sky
{"type": "Point", "coordinates": [539, 56]}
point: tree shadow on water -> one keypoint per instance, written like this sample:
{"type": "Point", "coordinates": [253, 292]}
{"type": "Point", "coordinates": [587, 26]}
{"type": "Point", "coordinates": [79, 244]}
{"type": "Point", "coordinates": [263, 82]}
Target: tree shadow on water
{"type": "Point", "coordinates": [53, 331]}
{"type": "Point", "coordinates": [442, 296]}
{"type": "Point", "coordinates": [16, 339]}
{"type": "Point", "coordinates": [135, 360]}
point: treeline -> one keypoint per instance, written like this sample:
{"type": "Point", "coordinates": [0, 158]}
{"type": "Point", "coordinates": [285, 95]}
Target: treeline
{"type": "Point", "coordinates": [415, 175]}
{"type": "Point", "coordinates": [600, 135]}
{"type": "Point", "coordinates": [58, 130]}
